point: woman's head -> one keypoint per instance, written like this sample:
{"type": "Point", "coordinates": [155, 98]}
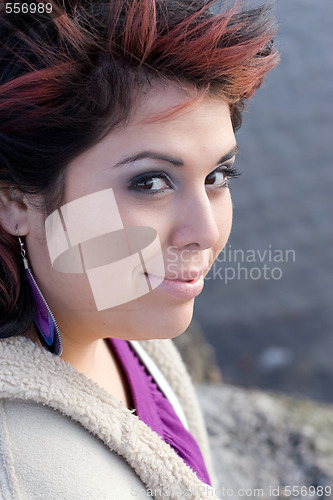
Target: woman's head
{"type": "Point", "coordinates": [82, 90]}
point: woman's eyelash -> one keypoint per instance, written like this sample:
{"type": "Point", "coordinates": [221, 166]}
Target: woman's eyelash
{"type": "Point", "coordinates": [230, 173]}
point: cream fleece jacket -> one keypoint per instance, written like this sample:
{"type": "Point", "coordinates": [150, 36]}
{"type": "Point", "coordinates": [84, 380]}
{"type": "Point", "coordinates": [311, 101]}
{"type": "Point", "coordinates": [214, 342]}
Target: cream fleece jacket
{"type": "Point", "coordinates": [63, 437]}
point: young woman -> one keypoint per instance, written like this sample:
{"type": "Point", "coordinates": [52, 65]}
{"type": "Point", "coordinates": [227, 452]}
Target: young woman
{"type": "Point", "coordinates": [117, 145]}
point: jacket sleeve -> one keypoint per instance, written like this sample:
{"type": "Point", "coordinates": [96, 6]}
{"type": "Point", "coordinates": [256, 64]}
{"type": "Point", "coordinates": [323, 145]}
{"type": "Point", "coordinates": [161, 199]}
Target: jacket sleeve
{"type": "Point", "coordinates": [45, 454]}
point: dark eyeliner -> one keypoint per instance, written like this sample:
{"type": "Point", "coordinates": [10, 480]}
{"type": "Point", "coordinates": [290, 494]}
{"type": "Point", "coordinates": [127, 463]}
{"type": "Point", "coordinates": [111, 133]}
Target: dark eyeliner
{"type": "Point", "coordinates": [230, 172]}
{"type": "Point", "coordinates": [133, 184]}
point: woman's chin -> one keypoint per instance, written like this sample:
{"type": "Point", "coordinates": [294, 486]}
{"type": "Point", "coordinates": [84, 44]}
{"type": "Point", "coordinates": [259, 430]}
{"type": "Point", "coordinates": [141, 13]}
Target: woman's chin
{"type": "Point", "coordinates": [156, 322]}
{"type": "Point", "coordinates": [168, 325]}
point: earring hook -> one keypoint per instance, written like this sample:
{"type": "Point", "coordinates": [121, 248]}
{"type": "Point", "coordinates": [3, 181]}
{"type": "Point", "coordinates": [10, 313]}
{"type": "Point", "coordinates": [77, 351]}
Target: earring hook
{"type": "Point", "coordinates": [23, 252]}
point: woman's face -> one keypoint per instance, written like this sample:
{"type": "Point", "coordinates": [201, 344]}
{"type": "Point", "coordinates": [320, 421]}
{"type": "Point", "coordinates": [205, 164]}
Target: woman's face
{"type": "Point", "coordinates": [169, 175]}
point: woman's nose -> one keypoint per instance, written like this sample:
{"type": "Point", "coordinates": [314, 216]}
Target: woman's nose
{"type": "Point", "coordinates": [196, 222]}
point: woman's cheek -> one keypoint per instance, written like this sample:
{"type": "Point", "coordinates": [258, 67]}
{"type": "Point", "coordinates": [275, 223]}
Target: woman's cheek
{"type": "Point", "coordinates": [224, 221]}
{"type": "Point", "coordinates": [137, 212]}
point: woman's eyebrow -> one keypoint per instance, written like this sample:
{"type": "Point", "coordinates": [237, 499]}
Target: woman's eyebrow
{"type": "Point", "coordinates": [233, 152]}
{"type": "Point", "coordinates": [177, 162]}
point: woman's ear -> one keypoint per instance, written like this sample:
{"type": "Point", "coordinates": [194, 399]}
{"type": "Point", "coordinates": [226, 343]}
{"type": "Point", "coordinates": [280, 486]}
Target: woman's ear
{"type": "Point", "coordinates": [14, 211]}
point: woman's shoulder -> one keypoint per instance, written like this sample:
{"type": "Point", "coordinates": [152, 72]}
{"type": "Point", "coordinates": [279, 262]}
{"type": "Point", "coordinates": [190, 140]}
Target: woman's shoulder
{"type": "Point", "coordinates": [45, 454]}
{"type": "Point", "coordinates": [52, 424]}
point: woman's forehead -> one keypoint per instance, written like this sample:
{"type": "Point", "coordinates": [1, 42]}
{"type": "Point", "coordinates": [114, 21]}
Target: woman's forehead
{"type": "Point", "coordinates": [204, 127]}
{"type": "Point", "coordinates": [164, 102]}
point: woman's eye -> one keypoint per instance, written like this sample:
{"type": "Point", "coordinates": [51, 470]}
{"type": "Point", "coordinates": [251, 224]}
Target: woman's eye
{"type": "Point", "coordinates": [217, 179]}
{"type": "Point", "coordinates": [221, 176]}
{"type": "Point", "coordinates": [151, 183]}
{"type": "Point", "coordinates": [160, 182]}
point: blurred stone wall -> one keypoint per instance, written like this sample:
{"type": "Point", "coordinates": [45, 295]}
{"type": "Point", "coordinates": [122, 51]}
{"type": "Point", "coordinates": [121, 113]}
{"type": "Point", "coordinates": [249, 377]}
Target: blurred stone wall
{"type": "Point", "coordinates": [262, 443]}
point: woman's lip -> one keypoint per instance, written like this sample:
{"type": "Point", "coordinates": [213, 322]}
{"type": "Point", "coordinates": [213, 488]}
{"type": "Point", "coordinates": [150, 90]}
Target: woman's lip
{"type": "Point", "coordinates": [179, 288]}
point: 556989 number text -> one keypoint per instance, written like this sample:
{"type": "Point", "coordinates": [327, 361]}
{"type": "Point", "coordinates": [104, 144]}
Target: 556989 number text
{"type": "Point", "coordinates": [28, 8]}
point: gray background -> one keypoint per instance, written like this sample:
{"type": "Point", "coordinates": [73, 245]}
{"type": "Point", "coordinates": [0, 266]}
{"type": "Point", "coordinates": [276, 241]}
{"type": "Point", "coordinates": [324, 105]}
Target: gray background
{"type": "Point", "coordinates": [278, 333]}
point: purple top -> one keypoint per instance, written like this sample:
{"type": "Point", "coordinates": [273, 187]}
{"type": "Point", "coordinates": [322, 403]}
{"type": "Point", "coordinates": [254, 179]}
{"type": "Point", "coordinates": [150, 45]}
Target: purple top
{"type": "Point", "coordinates": [154, 409]}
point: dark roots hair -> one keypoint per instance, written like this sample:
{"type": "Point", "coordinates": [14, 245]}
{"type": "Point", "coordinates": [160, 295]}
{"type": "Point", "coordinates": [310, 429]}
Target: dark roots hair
{"type": "Point", "coordinates": [69, 77]}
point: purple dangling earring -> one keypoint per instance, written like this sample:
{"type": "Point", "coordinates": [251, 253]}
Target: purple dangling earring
{"type": "Point", "coordinates": [46, 326]}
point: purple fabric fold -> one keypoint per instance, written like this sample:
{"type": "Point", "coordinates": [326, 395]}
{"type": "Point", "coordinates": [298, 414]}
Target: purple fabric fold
{"type": "Point", "coordinates": [153, 408]}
